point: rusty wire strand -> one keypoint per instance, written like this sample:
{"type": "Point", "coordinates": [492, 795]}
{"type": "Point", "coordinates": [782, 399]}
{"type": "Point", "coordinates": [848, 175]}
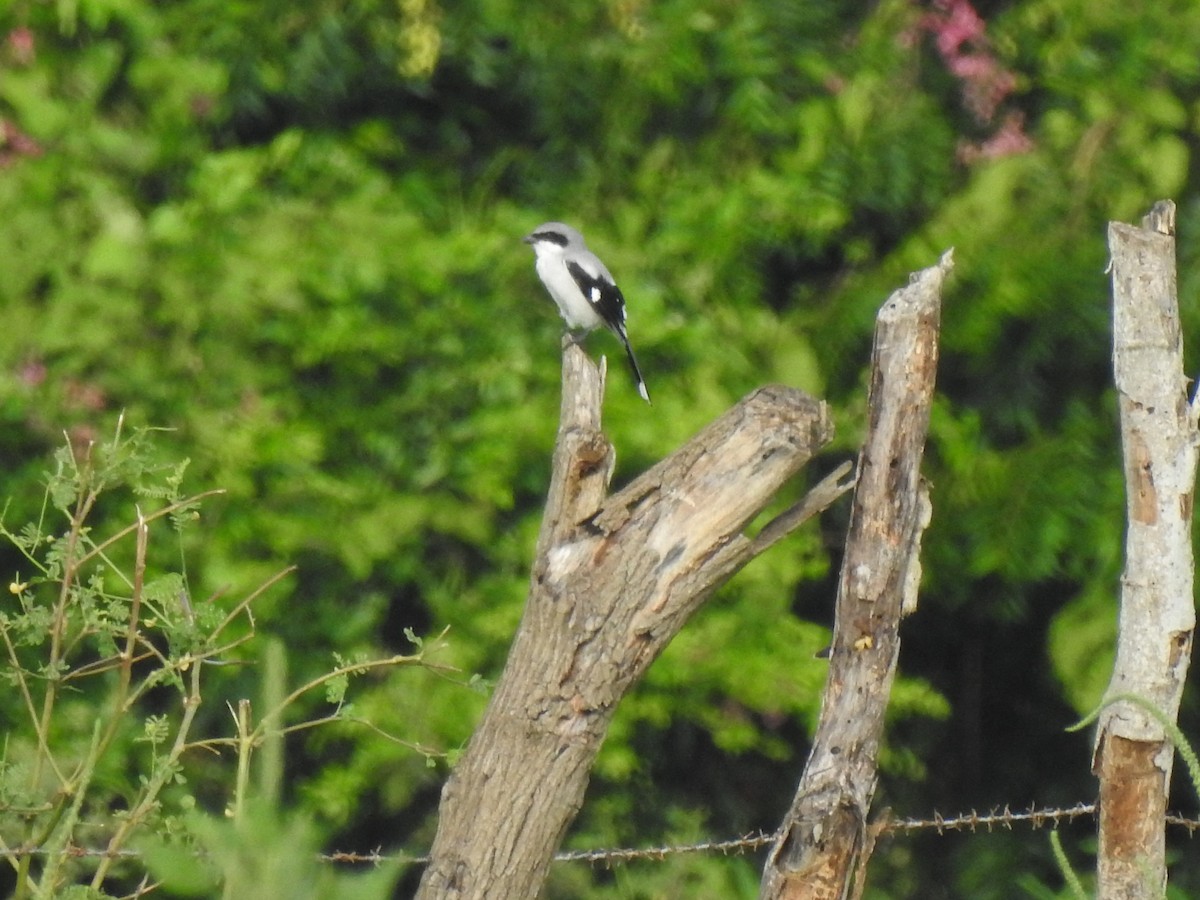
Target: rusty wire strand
{"type": "Point", "coordinates": [973, 821]}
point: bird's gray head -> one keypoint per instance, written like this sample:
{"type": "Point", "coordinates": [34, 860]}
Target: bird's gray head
{"type": "Point", "coordinates": [556, 233]}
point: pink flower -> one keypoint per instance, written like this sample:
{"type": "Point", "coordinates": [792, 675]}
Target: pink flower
{"type": "Point", "coordinates": [1010, 140]}
{"type": "Point", "coordinates": [961, 39]}
{"type": "Point", "coordinates": [32, 373]}
{"type": "Point", "coordinates": [14, 143]}
{"type": "Point", "coordinates": [21, 46]}
{"type": "Point", "coordinates": [958, 25]}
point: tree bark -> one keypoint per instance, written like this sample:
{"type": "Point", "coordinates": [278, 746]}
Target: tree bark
{"type": "Point", "coordinates": [613, 581]}
{"type": "Point", "coordinates": [1133, 755]}
{"type": "Point", "coordinates": [824, 840]}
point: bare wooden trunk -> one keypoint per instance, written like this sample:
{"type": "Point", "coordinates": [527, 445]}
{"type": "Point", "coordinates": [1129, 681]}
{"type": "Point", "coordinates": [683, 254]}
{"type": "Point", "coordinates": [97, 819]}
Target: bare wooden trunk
{"type": "Point", "coordinates": [613, 581]}
{"type": "Point", "coordinates": [1133, 756]}
{"type": "Point", "coordinates": [825, 839]}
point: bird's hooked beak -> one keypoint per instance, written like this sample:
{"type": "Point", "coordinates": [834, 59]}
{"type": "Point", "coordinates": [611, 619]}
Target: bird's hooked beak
{"type": "Point", "coordinates": [529, 239]}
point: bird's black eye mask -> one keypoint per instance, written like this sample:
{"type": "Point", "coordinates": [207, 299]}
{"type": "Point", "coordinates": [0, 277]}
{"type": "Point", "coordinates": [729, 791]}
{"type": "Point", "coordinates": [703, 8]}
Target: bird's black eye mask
{"type": "Point", "coordinates": [552, 237]}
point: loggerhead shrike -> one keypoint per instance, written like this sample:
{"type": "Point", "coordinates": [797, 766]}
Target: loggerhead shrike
{"type": "Point", "coordinates": [581, 285]}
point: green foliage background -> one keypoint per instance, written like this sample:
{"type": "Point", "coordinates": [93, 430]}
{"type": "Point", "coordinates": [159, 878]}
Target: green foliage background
{"type": "Point", "coordinates": [290, 233]}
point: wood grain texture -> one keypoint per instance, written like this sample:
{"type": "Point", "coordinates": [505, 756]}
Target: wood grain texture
{"type": "Point", "coordinates": [1133, 756]}
{"type": "Point", "coordinates": [824, 838]}
{"type": "Point", "coordinates": [614, 579]}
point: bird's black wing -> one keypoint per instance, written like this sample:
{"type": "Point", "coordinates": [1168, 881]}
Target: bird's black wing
{"type": "Point", "coordinates": [608, 301]}
{"type": "Point", "coordinates": [606, 298]}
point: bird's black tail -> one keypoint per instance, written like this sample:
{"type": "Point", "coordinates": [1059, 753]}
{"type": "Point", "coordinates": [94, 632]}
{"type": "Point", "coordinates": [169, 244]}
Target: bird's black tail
{"type": "Point", "coordinates": [637, 372]}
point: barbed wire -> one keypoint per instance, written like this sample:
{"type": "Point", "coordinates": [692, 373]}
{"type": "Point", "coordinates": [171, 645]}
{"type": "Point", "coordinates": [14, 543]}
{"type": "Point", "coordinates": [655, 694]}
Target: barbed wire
{"type": "Point", "coordinates": [1000, 817]}
{"type": "Point", "coordinates": [973, 821]}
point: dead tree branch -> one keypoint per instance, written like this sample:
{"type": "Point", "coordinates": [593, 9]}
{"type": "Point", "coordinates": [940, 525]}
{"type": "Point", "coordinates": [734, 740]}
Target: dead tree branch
{"type": "Point", "coordinates": [825, 838]}
{"type": "Point", "coordinates": [1132, 755]}
{"type": "Point", "coordinates": [613, 581]}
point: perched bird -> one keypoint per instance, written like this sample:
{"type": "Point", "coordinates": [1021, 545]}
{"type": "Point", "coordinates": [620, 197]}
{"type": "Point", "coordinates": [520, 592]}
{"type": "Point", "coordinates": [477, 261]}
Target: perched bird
{"type": "Point", "coordinates": [581, 285]}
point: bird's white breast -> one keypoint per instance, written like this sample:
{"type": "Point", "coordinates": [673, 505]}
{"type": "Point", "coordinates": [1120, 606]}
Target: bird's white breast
{"type": "Point", "coordinates": [573, 306]}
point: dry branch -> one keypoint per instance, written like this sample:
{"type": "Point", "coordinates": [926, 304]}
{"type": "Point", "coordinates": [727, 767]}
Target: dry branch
{"type": "Point", "coordinates": [613, 581]}
{"type": "Point", "coordinates": [1132, 755]}
{"type": "Point", "coordinates": [825, 839]}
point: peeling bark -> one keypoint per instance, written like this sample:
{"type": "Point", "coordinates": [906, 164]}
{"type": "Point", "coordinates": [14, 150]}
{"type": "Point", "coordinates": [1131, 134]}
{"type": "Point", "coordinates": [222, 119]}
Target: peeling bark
{"type": "Point", "coordinates": [825, 839]}
{"type": "Point", "coordinates": [1133, 756]}
{"type": "Point", "coordinates": [614, 579]}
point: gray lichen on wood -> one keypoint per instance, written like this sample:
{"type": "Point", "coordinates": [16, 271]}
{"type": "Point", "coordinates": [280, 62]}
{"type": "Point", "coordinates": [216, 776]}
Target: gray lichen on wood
{"type": "Point", "coordinates": [1133, 756]}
